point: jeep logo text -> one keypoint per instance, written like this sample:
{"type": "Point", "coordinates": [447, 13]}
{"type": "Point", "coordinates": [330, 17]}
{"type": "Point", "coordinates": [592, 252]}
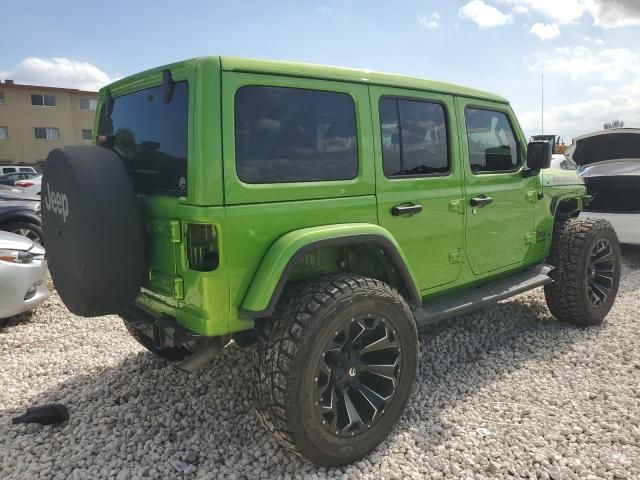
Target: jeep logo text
{"type": "Point", "coordinates": [57, 202]}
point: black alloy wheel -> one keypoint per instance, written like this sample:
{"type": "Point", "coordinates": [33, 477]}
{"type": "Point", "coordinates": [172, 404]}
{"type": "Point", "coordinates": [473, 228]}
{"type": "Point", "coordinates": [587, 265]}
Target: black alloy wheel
{"type": "Point", "coordinates": [335, 366]}
{"type": "Point", "coordinates": [600, 272]}
{"type": "Point", "coordinates": [357, 375]}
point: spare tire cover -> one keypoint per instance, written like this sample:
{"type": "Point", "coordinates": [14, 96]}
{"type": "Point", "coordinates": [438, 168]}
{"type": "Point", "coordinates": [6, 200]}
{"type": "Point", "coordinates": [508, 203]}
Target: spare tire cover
{"type": "Point", "coordinates": [93, 230]}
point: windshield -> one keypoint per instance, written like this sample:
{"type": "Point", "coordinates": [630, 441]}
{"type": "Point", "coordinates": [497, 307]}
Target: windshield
{"type": "Point", "coordinates": [151, 135]}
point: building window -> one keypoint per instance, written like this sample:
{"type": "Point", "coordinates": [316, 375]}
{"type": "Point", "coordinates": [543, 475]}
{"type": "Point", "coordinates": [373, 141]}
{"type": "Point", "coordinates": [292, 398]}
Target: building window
{"type": "Point", "coordinates": [88, 104]}
{"type": "Point", "coordinates": [4, 133]}
{"type": "Point", "coordinates": [294, 135]}
{"type": "Point", "coordinates": [40, 100]}
{"type": "Point", "coordinates": [46, 133]}
{"type": "Point", "coordinates": [1, 98]}
{"type": "Point", "coordinates": [87, 134]}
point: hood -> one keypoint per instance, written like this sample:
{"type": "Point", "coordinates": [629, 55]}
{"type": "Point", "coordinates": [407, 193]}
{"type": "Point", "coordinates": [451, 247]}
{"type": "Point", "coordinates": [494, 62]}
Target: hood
{"type": "Point", "coordinates": [11, 241]}
{"type": "Point", "coordinates": [552, 177]}
{"type": "Point", "coordinates": [11, 205]}
{"type": "Point", "coordinates": [18, 196]}
{"type": "Point", "coordinates": [614, 144]}
{"type": "Point", "coordinates": [612, 168]}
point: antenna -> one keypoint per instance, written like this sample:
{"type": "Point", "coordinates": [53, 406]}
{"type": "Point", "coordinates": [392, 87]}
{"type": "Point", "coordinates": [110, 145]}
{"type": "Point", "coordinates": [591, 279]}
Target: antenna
{"type": "Point", "coordinates": [542, 101]}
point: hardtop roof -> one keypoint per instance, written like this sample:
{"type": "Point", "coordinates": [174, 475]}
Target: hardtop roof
{"type": "Point", "coordinates": [326, 72]}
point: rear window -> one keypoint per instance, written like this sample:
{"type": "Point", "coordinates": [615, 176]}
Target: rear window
{"type": "Point", "coordinates": [151, 134]}
{"type": "Point", "coordinates": [294, 135]}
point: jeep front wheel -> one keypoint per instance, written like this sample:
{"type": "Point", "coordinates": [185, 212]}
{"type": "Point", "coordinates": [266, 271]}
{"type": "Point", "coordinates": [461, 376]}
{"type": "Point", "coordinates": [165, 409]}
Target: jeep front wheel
{"type": "Point", "coordinates": [586, 254]}
{"type": "Point", "coordinates": [335, 366]}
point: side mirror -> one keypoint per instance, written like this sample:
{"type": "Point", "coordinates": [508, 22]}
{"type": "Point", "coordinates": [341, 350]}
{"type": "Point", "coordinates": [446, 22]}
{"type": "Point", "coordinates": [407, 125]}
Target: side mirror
{"type": "Point", "coordinates": [539, 155]}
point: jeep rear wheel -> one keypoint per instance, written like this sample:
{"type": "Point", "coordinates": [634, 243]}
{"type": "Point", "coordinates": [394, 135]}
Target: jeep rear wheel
{"type": "Point", "coordinates": [335, 366]}
{"type": "Point", "coordinates": [586, 254]}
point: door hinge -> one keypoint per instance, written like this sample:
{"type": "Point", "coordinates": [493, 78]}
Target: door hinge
{"type": "Point", "coordinates": [175, 232]}
{"type": "Point", "coordinates": [456, 256]}
{"type": "Point", "coordinates": [170, 230]}
{"type": "Point", "coordinates": [532, 196]}
{"type": "Point", "coordinates": [457, 205]}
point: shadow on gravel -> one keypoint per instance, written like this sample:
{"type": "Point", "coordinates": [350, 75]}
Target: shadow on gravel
{"type": "Point", "coordinates": [142, 414]}
{"type": "Point", "coordinates": [7, 323]}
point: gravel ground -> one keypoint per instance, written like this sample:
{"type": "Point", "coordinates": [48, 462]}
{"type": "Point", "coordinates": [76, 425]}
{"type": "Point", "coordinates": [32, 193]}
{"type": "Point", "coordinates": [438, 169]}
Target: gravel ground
{"type": "Point", "coordinates": [508, 392]}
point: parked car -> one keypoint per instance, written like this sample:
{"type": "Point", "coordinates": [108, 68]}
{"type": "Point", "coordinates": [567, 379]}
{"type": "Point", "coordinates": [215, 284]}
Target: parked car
{"type": "Point", "coordinates": [23, 274]}
{"type": "Point", "coordinates": [561, 162]}
{"type": "Point", "coordinates": [20, 214]}
{"type": "Point", "coordinates": [12, 178]}
{"type": "Point", "coordinates": [609, 163]}
{"type": "Point", "coordinates": [32, 185]}
{"type": "Point", "coordinates": [6, 169]}
{"type": "Point", "coordinates": [321, 215]}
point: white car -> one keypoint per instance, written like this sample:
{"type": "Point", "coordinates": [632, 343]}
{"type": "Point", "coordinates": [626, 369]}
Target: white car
{"type": "Point", "coordinates": [6, 169]}
{"type": "Point", "coordinates": [609, 163]}
{"type": "Point", "coordinates": [31, 186]}
{"type": "Point", "coordinates": [561, 162]}
{"type": "Point", "coordinates": [23, 274]}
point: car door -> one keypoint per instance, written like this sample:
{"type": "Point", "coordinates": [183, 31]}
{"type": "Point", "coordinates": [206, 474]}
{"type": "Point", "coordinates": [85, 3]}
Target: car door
{"type": "Point", "coordinates": [499, 197]}
{"type": "Point", "coordinates": [419, 180]}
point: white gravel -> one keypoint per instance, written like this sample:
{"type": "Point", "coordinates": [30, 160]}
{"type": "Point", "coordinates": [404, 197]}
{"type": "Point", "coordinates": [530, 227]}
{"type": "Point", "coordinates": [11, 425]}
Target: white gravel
{"type": "Point", "coordinates": [508, 392]}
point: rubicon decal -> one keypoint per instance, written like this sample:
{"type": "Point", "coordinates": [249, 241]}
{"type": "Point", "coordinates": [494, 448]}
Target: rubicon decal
{"type": "Point", "coordinates": [57, 202]}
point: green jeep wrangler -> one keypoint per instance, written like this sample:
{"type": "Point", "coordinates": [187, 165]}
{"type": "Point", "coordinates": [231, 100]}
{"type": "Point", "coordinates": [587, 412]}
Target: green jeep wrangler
{"type": "Point", "coordinates": [319, 215]}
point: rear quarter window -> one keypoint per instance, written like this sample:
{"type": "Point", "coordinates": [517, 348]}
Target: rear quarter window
{"type": "Point", "coordinates": [294, 135]}
{"type": "Point", "coordinates": [151, 134]}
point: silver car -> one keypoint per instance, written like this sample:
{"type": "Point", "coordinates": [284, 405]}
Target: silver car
{"type": "Point", "coordinates": [23, 274]}
{"type": "Point", "coordinates": [609, 163]}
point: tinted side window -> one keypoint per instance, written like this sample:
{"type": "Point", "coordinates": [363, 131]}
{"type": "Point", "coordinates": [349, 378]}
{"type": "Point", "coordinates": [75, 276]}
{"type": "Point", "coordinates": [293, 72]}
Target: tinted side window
{"type": "Point", "coordinates": [414, 138]}
{"type": "Point", "coordinates": [492, 144]}
{"type": "Point", "coordinates": [294, 135]}
{"type": "Point", "coordinates": [152, 136]}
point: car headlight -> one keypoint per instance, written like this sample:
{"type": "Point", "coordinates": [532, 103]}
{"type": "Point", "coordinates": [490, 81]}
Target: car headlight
{"type": "Point", "coordinates": [15, 256]}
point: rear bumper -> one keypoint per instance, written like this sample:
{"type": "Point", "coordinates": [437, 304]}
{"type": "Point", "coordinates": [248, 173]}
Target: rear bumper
{"type": "Point", "coordinates": [22, 286]}
{"type": "Point", "coordinates": [626, 225]}
{"type": "Point", "coordinates": [163, 330]}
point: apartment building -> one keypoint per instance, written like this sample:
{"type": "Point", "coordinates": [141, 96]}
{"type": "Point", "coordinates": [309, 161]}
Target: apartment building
{"type": "Point", "coordinates": [36, 119]}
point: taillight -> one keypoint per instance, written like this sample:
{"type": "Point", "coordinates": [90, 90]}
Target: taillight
{"type": "Point", "coordinates": [202, 247]}
{"type": "Point", "coordinates": [24, 184]}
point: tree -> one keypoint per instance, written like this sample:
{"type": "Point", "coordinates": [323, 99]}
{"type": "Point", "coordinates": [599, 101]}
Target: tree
{"type": "Point", "coordinates": [613, 124]}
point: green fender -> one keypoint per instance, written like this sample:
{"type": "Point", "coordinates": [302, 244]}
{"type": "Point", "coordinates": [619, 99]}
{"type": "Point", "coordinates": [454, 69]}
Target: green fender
{"type": "Point", "coordinates": [288, 250]}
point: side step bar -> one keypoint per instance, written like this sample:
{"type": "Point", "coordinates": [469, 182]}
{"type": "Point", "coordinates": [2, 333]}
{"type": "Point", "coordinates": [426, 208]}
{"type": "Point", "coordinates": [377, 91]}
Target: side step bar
{"type": "Point", "coordinates": [433, 312]}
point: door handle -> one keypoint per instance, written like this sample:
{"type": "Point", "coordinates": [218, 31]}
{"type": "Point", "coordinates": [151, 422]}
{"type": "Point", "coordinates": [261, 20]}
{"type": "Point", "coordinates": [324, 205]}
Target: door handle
{"type": "Point", "coordinates": [481, 201]}
{"type": "Point", "coordinates": [406, 209]}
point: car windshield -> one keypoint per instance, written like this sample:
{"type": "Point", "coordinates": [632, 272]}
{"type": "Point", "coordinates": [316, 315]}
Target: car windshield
{"type": "Point", "coordinates": [149, 131]}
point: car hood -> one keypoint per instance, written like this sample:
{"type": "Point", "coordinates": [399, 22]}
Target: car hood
{"type": "Point", "coordinates": [10, 205]}
{"type": "Point", "coordinates": [614, 144]}
{"type": "Point", "coordinates": [11, 241]}
{"type": "Point", "coordinates": [19, 196]}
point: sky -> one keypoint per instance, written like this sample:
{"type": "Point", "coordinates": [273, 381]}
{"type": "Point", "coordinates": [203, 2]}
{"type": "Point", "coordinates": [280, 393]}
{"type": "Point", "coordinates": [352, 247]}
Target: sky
{"type": "Point", "coordinates": [588, 50]}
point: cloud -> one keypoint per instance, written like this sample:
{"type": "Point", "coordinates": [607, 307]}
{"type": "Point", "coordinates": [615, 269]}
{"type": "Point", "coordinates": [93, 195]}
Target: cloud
{"type": "Point", "coordinates": [545, 31]}
{"type": "Point", "coordinates": [485, 16]}
{"type": "Point", "coordinates": [619, 97]}
{"type": "Point", "coordinates": [605, 13]}
{"type": "Point", "coordinates": [616, 13]}
{"type": "Point", "coordinates": [561, 12]}
{"type": "Point", "coordinates": [573, 119]}
{"type": "Point", "coordinates": [58, 72]}
{"type": "Point", "coordinates": [431, 22]}
{"type": "Point", "coordinates": [610, 64]}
